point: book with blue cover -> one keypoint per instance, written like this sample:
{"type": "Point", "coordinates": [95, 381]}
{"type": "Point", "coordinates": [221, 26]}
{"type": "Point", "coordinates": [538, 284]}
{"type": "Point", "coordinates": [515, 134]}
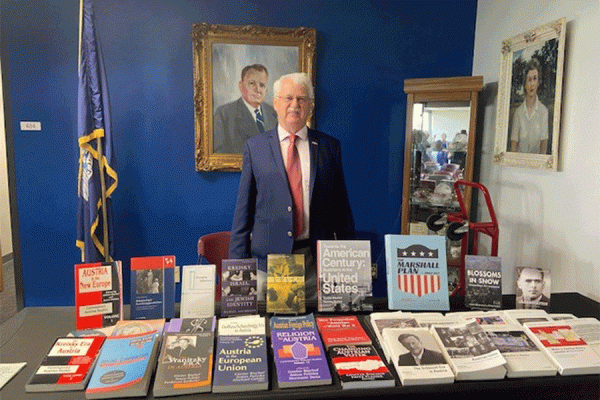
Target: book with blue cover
{"type": "Point", "coordinates": [152, 287]}
{"type": "Point", "coordinates": [417, 277]}
{"type": "Point", "coordinates": [298, 352]}
{"type": "Point", "coordinates": [125, 366]}
{"type": "Point", "coordinates": [241, 355]}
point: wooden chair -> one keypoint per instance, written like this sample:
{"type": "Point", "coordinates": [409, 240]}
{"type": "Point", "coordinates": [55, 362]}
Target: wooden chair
{"type": "Point", "coordinates": [213, 248]}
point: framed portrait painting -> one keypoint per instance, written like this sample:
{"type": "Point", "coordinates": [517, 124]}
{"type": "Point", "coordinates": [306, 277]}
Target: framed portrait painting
{"type": "Point", "coordinates": [234, 71]}
{"type": "Point", "coordinates": [529, 98]}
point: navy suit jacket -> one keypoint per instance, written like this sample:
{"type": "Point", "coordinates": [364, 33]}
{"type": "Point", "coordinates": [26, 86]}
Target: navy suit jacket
{"type": "Point", "coordinates": [233, 124]}
{"type": "Point", "coordinates": [262, 223]}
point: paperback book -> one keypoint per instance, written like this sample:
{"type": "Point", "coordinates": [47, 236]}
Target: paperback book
{"type": "Point", "coordinates": [298, 352]}
{"type": "Point", "coordinates": [344, 275]}
{"type": "Point", "coordinates": [152, 287]}
{"type": "Point", "coordinates": [470, 352]}
{"type": "Point", "coordinates": [523, 357]}
{"type": "Point", "coordinates": [360, 366]}
{"type": "Point", "coordinates": [416, 356]}
{"type": "Point", "coordinates": [285, 284]}
{"type": "Point", "coordinates": [241, 355]}
{"type": "Point", "coordinates": [185, 364]}
{"type": "Point", "coordinates": [132, 327]}
{"type": "Point", "coordinates": [124, 367]}
{"type": "Point", "coordinates": [238, 287]}
{"type": "Point", "coordinates": [98, 294]}
{"type": "Point", "coordinates": [532, 288]}
{"type": "Point", "coordinates": [67, 365]}
{"type": "Point", "coordinates": [417, 277]}
{"type": "Point", "coordinates": [340, 330]}
{"type": "Point", "coordinates": [198, 291]}
{"type": "Point", "coordinates": [191, 325]}
{"type": "Point", "coordinates": [483, 282]}
{"type": "Point", "coordinates": [567, 349]}
{"type": "Point", "coordinates": [381, 320]}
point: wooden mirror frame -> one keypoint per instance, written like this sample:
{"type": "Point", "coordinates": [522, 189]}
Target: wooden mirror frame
{"type": "Point", "coordinates": [439, 89]}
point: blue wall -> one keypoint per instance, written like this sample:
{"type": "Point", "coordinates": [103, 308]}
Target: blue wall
{"type": "Point", "coordinates": [365, 50]}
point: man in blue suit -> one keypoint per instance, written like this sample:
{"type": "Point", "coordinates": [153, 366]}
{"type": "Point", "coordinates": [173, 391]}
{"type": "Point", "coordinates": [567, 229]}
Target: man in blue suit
{"type": "Point", "coordinates": [264, 216]}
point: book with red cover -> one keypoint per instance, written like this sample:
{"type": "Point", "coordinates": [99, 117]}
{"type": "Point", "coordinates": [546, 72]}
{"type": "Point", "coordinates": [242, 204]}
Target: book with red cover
{"type": "Point", "coordinates": [152, 287]}
{"type": "Point", "coordinates": [67, 365]}
{"type": "Point", "coordinates": [360, 366]}
{"type": "Point", "coordinates": [340, 330]}
{"type": "Point", "coordinates": [98, 294]}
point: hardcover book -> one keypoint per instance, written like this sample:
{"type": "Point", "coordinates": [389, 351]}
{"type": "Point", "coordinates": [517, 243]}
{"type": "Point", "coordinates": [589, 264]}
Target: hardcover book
{"type": "Point", "coordinates": [417, 277]}
{"type": "Point", "coordinates": [568, 349]}
{"type": "Point", "coordinates": [238, 287]}
{"type": "Point", "coordinates": [359, 366]}
{"type": "Point", "coordinates": [470, 352]}
{"type": "Point", "coordinates": [532, 288]}
{"type": "Point", "coordinates": [241, 355]}
{"type": "Point", "coordinates": [483, 282]}
{"type": "Point", "coordinates": [416, 356]}
{"type": "Point", "coordinates": [198, 291]}
{"type": "Point", "coordinates": [185, 364]}
{"type": "Point", "coordinates": [152, 287]}
{"type": "Point", "coordinates": [340, 330]}
{"type": "Point", "coordinates": [344, 275]}
{"type": "Point", "coordinates": [67, 365]}
{"type": "Point", "coordinates": [298, 352]}
{"type": "Point", "coordinates": [124, 367]}
{"type": "Point", "coordinates": [285, 284]}
{"type": "Point", "coordinates": [98, 294]}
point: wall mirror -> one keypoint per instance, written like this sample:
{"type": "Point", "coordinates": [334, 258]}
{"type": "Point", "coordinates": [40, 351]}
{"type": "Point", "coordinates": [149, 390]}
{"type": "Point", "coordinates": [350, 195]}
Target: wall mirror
{"type": "Point", "coordinates": [440, 142]}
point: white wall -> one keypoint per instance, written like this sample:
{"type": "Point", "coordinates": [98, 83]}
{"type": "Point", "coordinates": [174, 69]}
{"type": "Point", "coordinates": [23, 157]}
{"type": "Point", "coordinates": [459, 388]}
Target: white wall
{"type": "Point", "coordinates": [5, 230]}
{"type": "Point", "coordinates": [548, 219]}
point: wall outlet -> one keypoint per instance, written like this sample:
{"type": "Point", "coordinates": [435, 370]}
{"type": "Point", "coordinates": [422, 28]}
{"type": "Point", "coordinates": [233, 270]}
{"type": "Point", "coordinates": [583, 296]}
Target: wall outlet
{"type": "Point", "coordinates": [31, 126]}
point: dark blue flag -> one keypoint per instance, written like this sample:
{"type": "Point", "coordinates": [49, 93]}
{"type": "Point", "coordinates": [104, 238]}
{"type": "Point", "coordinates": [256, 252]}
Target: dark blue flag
{"type": "Point", "coordinates": [97, 178]}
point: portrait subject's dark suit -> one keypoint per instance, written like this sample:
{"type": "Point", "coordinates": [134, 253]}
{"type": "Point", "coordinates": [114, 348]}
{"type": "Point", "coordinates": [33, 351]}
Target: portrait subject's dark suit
{"type": "Point", "coordinates": [264, 204]}
{"type": "Point", "coordinates": [233, 125]}
{"type": "Point", "coordinates": [429, 357]}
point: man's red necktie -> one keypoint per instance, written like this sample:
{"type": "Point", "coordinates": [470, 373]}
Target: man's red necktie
{"type": "Point", "coordinates": [294, 174]}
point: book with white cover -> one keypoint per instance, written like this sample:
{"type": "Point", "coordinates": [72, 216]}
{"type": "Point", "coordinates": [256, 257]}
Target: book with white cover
{"type": "Point", "coordinates": [524, 358]}
{"type": "Point", "coordinates": [569, 351]}
{"type": "Point", "coordinates": [470, 352]}
{"type": "Point", "coordinates": [484, 317]}
{"type": "Point", "coordinates": [381, 320]}
{"type": "Point", "coordinates": [416, 356]}
{"type": "Point", "coordinates": [426, 320]}
{"type": "Point", "coordinates": [521, 316]}
{"type": "Point", "coordinates": [198, 291]}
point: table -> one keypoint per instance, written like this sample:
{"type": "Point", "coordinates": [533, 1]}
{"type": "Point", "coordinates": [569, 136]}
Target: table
{"type": "Point", "coordinates": [29, 334]}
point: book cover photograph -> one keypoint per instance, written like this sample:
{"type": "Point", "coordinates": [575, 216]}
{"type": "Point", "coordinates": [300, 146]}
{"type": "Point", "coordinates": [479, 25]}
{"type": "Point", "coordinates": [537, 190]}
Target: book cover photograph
{"type": "Point", "coordinates": [239, 287]}
{"type": "Point", "coordinates": [98, 294]}
{"type": "Point", "coordinates": [342, 329]}
{"type": "Point", "coordinates": [344, 275]}
{"type": "Point", "coordinates": [152, 287]}
{"type": "Point", "coordinates": [124, 367]}
{"type": "Point", "coordinates": [191, 325]}
{"type": "Point", "coordinates": [532, 288]}
{"type": "Point", "coordinates": [198, 290]}
{"type": "Point", "coordinates": [483, 282]}
{"type": "Point", "coordinates": [241, 355]}
{"type": "Point", "coordinates": [360, 366]}
{"type": "Point", "coordinates": [298, 352]}
{"type": "Point", "coordinates": [416, 356]}
{"type": "Point", "coordinates": [417, 277]}
{"type": "Point", "coordinates": [185, 364]}
{"type": "Point", "coordinates": [67, 365]}
{"type": "Point", "coordinates": [285, 284]}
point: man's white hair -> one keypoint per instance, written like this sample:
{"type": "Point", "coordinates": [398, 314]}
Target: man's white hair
{"type": "Point", "coordinates": [301, 78]}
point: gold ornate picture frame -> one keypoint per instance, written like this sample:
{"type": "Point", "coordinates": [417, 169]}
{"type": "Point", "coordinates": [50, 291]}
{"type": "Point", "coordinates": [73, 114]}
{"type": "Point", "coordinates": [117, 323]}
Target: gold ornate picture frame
{"type": "Point", "coordinates": [220, 54]}
{"type": "Point", "coordinates": [527, 130]}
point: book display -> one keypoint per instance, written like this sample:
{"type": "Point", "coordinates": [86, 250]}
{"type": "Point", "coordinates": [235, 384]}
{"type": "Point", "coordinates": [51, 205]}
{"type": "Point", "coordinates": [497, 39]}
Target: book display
{"type": "Point", "coordinates": [67, 366]}
{"type": "Point", "coordinates": [239, 287]}
{"type": "Point", "coordinates": [98, 294]}
{"type": "Point", "coordinates": [197, 291]}
{"type": "Point", "coordinates": [344, 281]}
{"type": "Point", "coordinates": [152, 287]}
